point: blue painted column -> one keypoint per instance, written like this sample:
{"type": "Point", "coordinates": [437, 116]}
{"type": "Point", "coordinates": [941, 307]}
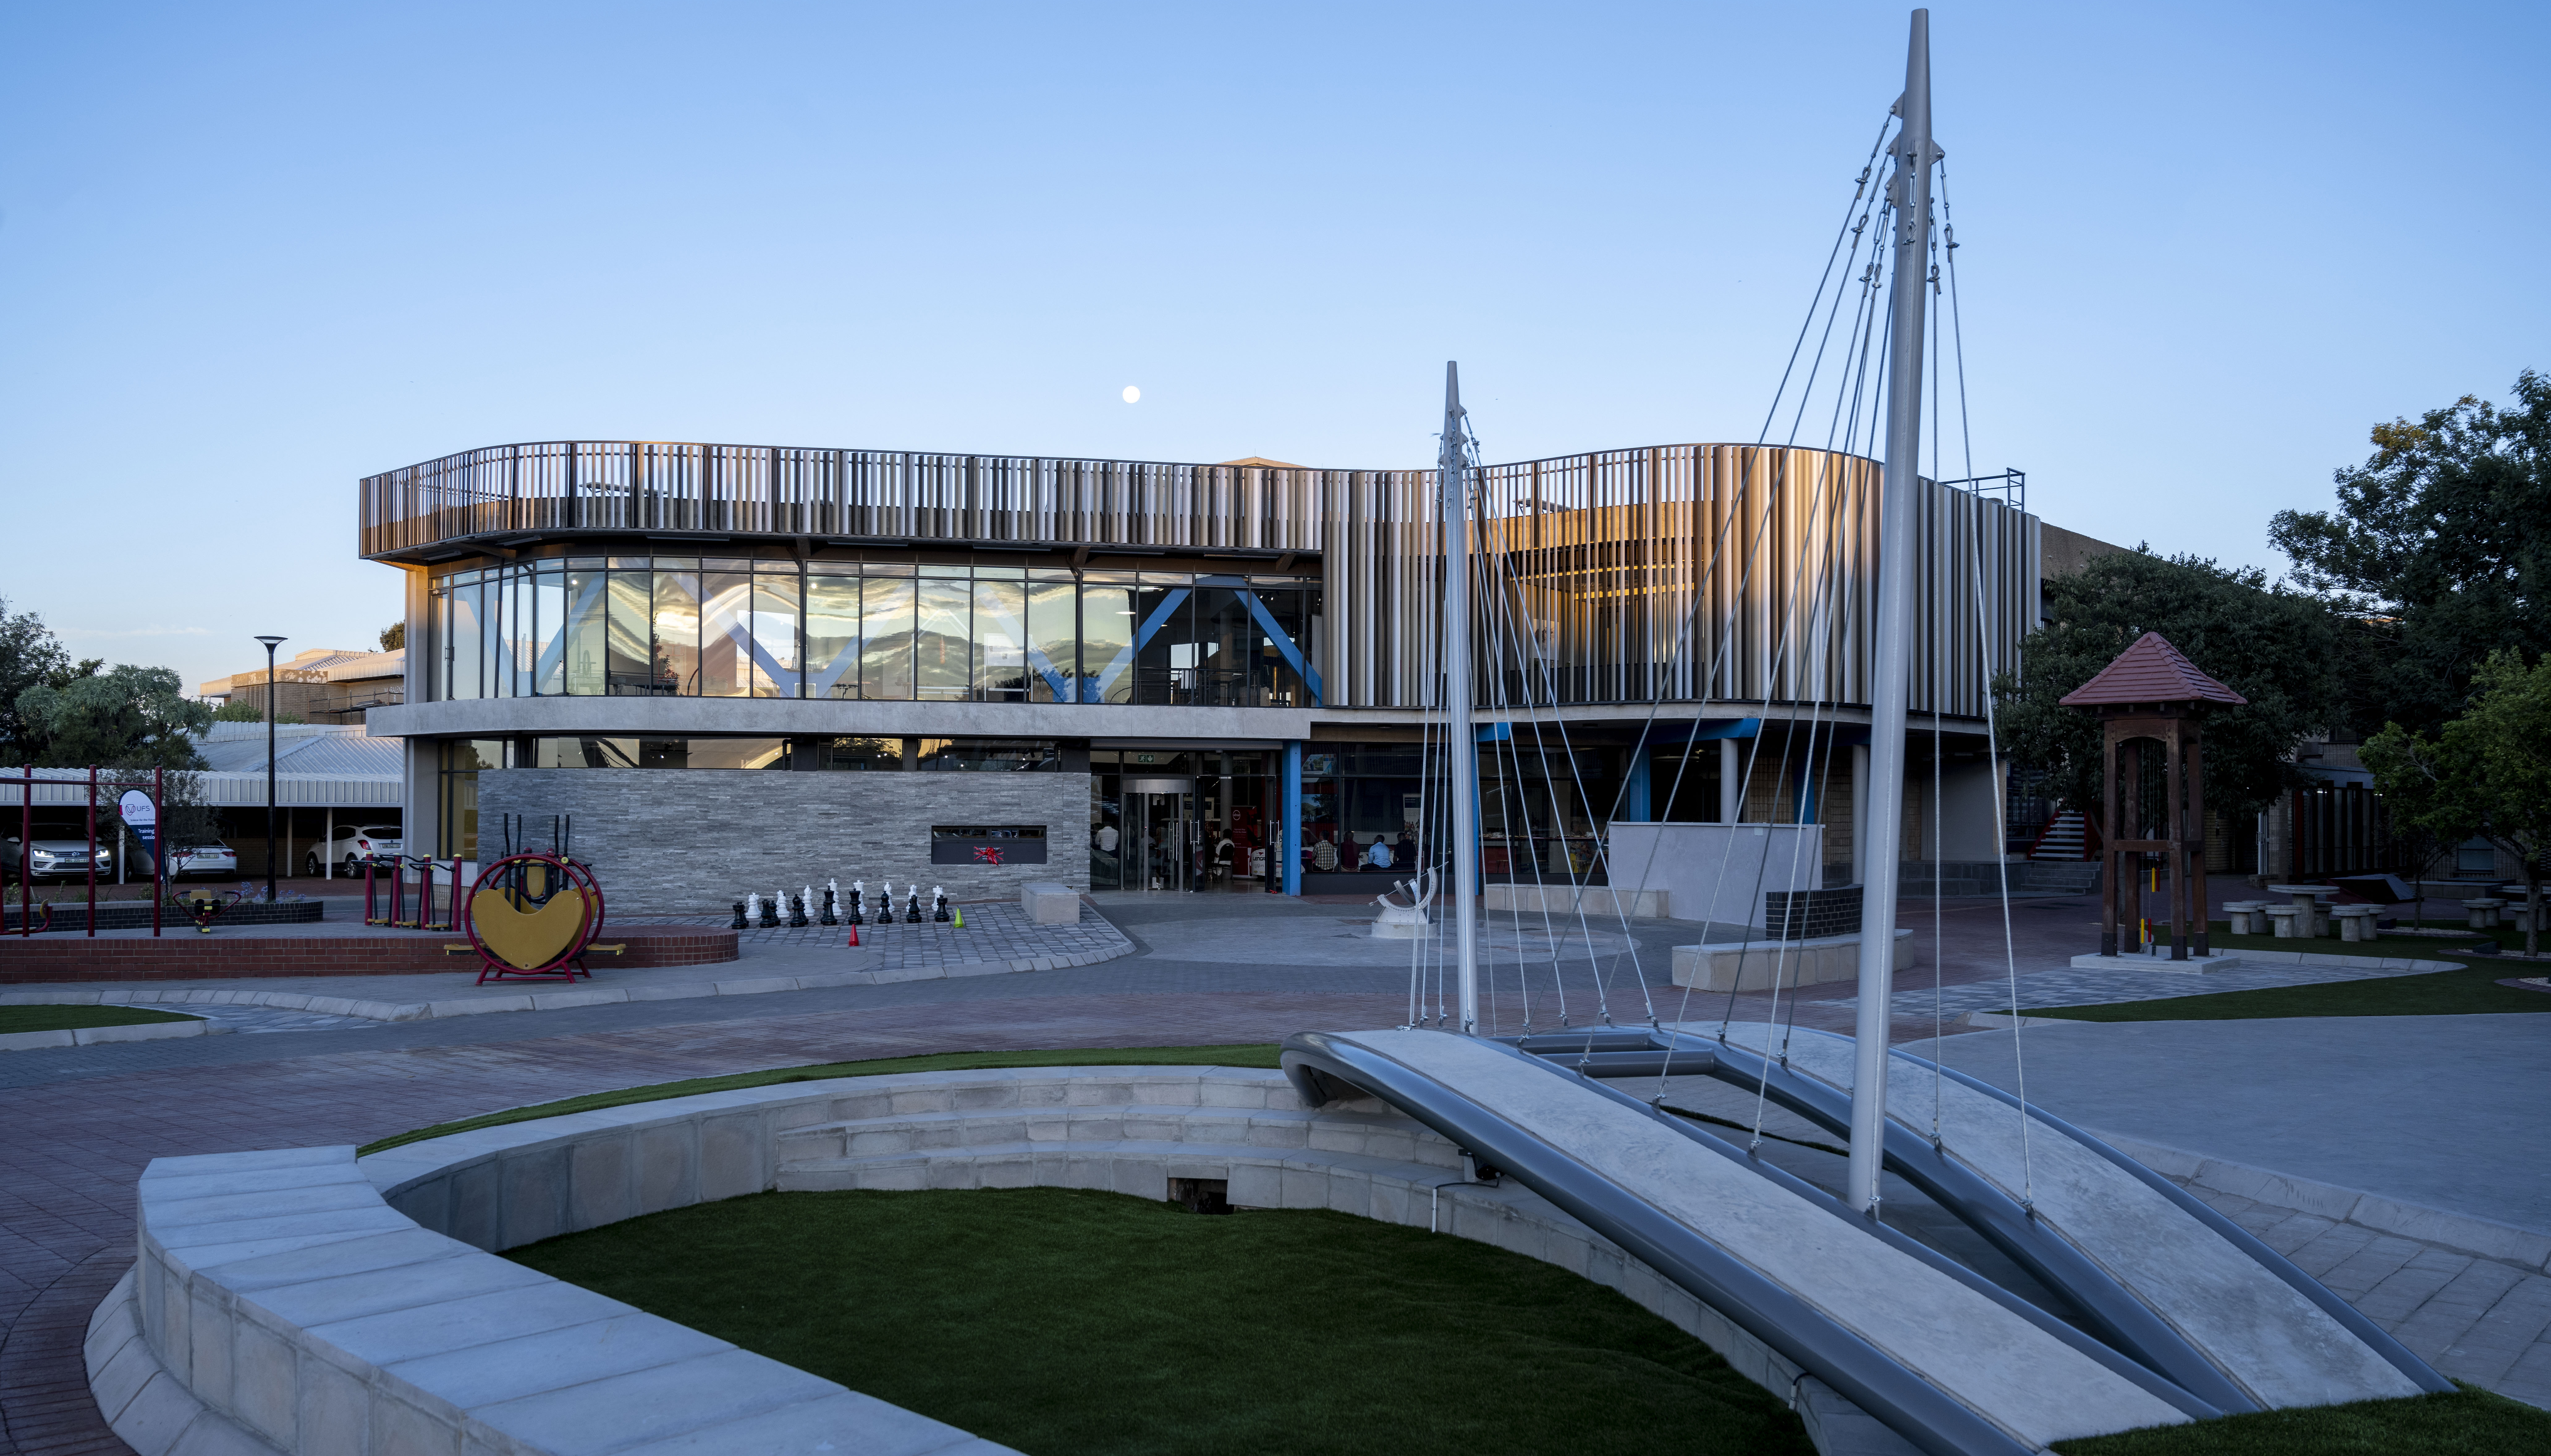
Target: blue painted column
{"type": "Point", "coordinates": [1634, 796]}
{"type": "Point", "coordinates": [1289, 840]}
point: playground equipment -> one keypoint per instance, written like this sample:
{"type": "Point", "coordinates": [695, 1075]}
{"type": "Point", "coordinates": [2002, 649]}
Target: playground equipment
{"type": "Point", "coordinates": [532, 917]}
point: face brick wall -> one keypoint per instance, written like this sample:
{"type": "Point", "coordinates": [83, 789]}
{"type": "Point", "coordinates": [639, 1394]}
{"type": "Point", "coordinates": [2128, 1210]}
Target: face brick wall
{"type": "Point", "coordinates": [670, 841]}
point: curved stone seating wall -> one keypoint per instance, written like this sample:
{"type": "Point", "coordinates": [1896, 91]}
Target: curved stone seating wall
{"type": "Point", "coordinates": [302, 1301]}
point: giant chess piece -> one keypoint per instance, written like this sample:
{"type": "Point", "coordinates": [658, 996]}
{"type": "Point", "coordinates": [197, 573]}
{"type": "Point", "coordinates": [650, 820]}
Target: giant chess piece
{"type": "Point", "coordinates": [912, 905]}
{"type": "Point", "coordinates": [739, 922]}
{"type": "Point", "coordinates": [938, 905]}
{"type": "Point", "coordinates": [771, 912]}
{"type": "Point", "coordinates": [858, 893]}
{"type": "Point", "coordinates": [832, 892]}
{"type": "Point", "coordinates": [797, 910]}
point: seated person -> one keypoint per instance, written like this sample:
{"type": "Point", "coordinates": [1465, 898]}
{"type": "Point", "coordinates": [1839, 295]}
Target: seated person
{"type": "Point", "coordinates": [1377, 856]}
{"type": "Point", "coordinates": [1403, 854]}
{"type": "Point", "coordinates": [1324, 855]}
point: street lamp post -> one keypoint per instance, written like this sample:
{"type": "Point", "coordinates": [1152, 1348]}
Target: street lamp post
{"type": "Point", "coordinates": [270, 644]}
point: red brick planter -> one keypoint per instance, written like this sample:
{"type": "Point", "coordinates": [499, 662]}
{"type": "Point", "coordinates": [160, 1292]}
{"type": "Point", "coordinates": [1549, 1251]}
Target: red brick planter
{"type": "Point", "coordinates": [183, 955]}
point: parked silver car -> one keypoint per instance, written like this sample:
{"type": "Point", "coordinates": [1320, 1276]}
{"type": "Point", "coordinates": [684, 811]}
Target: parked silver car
{"type": "Point", "coordinates": [57, 859]}
{"type": "Point", "coordinates": [352, 846]}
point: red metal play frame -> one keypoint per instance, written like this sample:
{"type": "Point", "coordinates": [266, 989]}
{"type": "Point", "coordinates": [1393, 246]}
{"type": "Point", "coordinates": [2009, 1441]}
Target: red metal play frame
{"type": "Point", "coordinates": [27, 780]}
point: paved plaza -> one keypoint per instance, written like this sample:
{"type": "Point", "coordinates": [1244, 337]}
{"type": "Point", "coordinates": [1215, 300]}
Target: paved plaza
{"type": "Point", "coordinates": [77, 1124]}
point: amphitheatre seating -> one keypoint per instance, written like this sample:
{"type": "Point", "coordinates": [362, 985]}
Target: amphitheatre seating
{"type": "Point", "coordinates": [289, 1301]}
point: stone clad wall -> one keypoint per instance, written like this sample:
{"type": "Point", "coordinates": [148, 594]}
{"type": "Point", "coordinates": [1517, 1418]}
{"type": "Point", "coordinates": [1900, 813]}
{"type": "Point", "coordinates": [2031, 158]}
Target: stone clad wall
{"type": "Point", "coordinates": [695, 840]}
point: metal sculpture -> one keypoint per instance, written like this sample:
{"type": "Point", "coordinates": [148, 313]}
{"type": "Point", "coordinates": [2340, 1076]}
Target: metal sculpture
{"type": "Point", "coordinates": [532, 917]}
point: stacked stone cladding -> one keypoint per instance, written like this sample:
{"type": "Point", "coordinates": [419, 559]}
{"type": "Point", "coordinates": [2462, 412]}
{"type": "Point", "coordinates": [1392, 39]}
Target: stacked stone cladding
{"type": "Point", "coordinates": [669, 840]}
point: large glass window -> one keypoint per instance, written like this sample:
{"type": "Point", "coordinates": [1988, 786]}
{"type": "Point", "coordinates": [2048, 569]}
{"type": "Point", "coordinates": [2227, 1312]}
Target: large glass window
{"type": "Point", "coordinates": [738, 627]}
{"type": "Point", "coordinates": [677, 627]}
{"type": "Point", "coordinates": [774, 634]}
{"type": "Point", "coordinates": [943, 656]}
{"type": "Point", "coordinates": [885, 638]}
{"type": "Point", "coordinates": [986, 754]}
{"type": "Point", "coordinates": [870, 754]}
{"type": "Point", "coordinates": [1000, 640]}
{"type": "Point", "coordinates": [832, 636]}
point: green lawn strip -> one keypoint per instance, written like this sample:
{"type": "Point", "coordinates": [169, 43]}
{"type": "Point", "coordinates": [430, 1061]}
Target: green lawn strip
{"type": "Point", "coordinates": [1261, 1055]}
{"type": "Point", "coordinates": [68, 1019]}
{"type": "Point", "coordinates": [1063, 1321]}
{"type": "Point", "coordinates": [2469, 1422]}
{"type": "Point", "coordinates": [2426, 993]}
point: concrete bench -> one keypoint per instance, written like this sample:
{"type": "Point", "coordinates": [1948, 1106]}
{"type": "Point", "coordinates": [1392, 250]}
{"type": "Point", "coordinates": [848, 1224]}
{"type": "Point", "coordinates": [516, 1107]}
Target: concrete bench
{"type": "Point", "coordinates": [1050, 902]}
{"type": "Point", "coordinates": [2287, 922]}
{"type": "Point", "coordinates": [2355, 922]}
{"type": "Point", "coordinates": [2245, 916]}
{"type": "Point", "coordinates": [2484, 912]}
{"type": "Point", "coordinates": [1757, 965]}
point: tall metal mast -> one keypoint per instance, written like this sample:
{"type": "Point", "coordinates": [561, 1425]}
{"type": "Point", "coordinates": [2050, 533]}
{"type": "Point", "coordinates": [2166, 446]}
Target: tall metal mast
{"type": "Point", "coordinates": [1884, 815]}
{"type": "Point", "coordinates": [1463, 759]}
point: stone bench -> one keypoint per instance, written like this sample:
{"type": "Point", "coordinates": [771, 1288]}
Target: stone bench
{"type": "Point", "coordinates": [2482, 912]}
{"type": "Point", "coordinates": [2245, 916]}
{"type": "Point", "coordinates": [1755, 965]}
{"type": "Point", "coordinates": [2355, 922]}
{"type": "Point", "coordinates": [2288, 922]}
{"type": "Point", "coordinates": [1050, 902]}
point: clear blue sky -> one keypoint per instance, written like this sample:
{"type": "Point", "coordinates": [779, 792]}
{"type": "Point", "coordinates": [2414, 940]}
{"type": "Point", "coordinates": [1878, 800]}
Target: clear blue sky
{"type": "Point", "coordinates": [251, 253]}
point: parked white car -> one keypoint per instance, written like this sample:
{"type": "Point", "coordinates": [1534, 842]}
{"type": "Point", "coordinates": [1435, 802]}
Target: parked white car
{"type": "Point", "coordinates": [352, 846]}
{"type": "Point", "coordinates": [215, 860]}
{"type": "Point", "coordinates": [57, 859]}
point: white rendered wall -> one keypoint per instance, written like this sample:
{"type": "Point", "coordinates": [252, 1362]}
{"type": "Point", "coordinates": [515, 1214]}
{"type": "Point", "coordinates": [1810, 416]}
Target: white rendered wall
{"type": "Point", "coordinates": [1716, 871]}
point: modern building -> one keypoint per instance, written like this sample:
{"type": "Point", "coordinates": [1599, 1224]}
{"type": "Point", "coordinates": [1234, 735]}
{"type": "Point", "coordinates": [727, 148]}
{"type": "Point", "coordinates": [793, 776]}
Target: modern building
{"type": "Point", "coordinates": [323, 685]}
{"type": "Point", "coordinates": [732, 667]}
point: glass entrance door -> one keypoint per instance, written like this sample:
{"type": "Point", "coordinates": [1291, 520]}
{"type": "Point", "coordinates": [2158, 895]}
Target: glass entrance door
{"type": "Point", "coordinates": [1162, 835]}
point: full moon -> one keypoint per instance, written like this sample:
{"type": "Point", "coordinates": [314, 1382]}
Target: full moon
{"type": "Point", "coordinates": [1133, 395]}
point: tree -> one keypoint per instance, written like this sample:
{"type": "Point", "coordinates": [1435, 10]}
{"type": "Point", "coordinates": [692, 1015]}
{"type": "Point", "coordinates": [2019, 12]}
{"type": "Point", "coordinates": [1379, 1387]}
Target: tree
{"type": "Point", "coordinates": [2486, 773]}
{"type": "Point", "coordinates": [130, 717]}
{"type": "Point", "coordinates": [2274, 647]}
{"type": "Point", "coordinates": [394, 636]}
{"type": "Point", "coordinates": [2442, 538]}
{"type": "Point", "coordinates": [29, 657]}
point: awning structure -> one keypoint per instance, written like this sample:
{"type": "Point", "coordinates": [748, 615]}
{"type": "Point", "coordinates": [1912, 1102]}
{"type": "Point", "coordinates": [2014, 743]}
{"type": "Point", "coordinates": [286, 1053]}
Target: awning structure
{"type": "Point", "coordinates": [316, 767]}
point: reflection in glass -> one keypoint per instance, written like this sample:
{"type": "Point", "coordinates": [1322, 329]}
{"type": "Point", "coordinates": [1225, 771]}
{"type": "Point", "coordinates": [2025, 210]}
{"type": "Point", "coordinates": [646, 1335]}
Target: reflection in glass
{"type": "Point", "coordinates": [586, 639]}
{"type": "Point", "coordinates": [885, 639]}
{"type": "Point", "coordinates": [942, 653]}
{"type": "Point", "coordinates": [873, 755]}
{"type": "Point", "coordinates": [726, 634]}
{"type": "Point", "coordinates": [832, 637]}
{"type": "Point", "coordinates": [774, 635]}
{"type": "Point", "coordinates": [1107, 644]}
{"type": "Point", "coordinates": [678, 631]}
{"type": "Point", "coordinates": [467, 645]}
{"type": "Point", "coordinates": [628, 663]}
{"type": "Point", "coordinates": [549, 650]}
{"type": "Point", "coordinates": [1000, 641]}
{"type": "Point", "coordinates": [1054, 669]}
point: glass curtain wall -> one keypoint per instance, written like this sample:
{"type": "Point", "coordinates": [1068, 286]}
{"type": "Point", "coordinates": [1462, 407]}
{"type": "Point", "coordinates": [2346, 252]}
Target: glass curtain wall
{"type": "Point", "coordinates": [740, 627]}
{"type": "Point", "coordinates": [1237, 806]}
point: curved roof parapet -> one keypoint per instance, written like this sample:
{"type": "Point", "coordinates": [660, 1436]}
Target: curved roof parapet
{"type": "Point", "coordinates": [664, 487]}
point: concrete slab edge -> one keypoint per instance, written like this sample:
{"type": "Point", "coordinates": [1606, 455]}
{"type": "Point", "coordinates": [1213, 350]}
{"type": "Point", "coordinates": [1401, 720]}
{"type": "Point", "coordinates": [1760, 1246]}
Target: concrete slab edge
{"type": "Point", "coordinates": [89, 1037]}
{"type": "Point", "coordinates": [563, 999]}
{"type": "Point", "coordinates": [2466, 1232]}
{"type": "Point", "coordinates": [146, 1406]}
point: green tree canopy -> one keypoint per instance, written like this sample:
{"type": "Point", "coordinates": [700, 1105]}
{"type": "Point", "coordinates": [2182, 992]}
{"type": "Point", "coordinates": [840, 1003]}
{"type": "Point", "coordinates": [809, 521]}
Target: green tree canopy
{"type": "Point", "coordinates": [29, 657]}
{"type": "Point", "coordinates": [2443, 536]}
{"type": "Point", "coordinates": [2274, 647]}
{"type": "Point", "coordinates": [2486, 773]}
{"type": "Point", "coordinates": [127, 717]}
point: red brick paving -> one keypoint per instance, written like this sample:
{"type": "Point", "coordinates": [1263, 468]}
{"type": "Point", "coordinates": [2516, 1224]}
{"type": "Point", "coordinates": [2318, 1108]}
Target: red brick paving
{"type": "Point", "coordinates": [184, 955]}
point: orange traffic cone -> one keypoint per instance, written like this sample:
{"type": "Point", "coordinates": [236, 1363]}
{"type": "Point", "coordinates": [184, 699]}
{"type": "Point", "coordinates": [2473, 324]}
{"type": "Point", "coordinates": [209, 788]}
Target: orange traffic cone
{"type": "Point", "coordinates": [854, 935]}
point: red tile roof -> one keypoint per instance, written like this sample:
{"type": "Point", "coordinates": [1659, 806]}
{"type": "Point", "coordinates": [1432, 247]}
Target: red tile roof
{"type": "Point", "coordinates": [2151, 670]}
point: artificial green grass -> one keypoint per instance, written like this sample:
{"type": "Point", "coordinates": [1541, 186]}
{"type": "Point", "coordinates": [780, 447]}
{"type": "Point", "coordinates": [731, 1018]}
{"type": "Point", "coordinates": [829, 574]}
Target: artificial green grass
{"type": "Point", "coordinates": [2470, 1421]}
{"type": "Point", "coordinates": [1258, 1054]}
{"type": "Point", "coordinates": [69, 1018]}
{"type": "Point", "coordinates": [2429, 993]}
{"type": "Point", "coordinates": [1063, 1321]}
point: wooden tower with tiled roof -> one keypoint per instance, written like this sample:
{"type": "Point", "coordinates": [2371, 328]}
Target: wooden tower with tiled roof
{"type": "Point", "coordinates": [2152, 691]}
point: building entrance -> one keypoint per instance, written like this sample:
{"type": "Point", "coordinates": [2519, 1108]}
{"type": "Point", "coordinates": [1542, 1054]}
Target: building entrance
{"type": "Point", "coordinates": [1181, 820]}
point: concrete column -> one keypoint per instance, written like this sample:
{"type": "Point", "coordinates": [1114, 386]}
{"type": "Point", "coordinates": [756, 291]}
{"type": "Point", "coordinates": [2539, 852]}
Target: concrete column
{"type": "Point", "coordinates": [1731, 781]}
{"type": "Point", "coordinates": [1859, 812]}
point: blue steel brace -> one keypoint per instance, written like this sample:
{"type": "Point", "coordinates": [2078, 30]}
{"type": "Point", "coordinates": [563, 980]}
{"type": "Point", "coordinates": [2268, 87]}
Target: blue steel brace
{"type": "Point", "coordinates": [1285, 645]}
{"type": "Point", "coordinates": [1289, 842]}
{"type": "Point", "coordinates": [1096, 692]}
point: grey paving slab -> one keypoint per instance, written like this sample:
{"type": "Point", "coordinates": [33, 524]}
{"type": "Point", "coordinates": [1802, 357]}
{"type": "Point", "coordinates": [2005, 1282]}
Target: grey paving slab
{"type": "Point", "coordinates": [2425, 1109]}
